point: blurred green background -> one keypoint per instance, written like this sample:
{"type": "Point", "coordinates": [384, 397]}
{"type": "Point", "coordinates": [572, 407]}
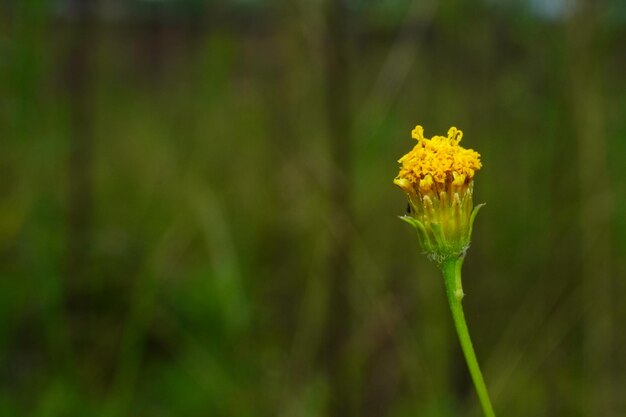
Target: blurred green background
{"type": "Point", "coordinates": [197, 216]}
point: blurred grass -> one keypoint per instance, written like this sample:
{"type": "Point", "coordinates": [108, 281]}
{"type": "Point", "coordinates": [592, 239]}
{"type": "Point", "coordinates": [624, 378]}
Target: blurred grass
{"type": "Point", "coordinates": [207, 291]}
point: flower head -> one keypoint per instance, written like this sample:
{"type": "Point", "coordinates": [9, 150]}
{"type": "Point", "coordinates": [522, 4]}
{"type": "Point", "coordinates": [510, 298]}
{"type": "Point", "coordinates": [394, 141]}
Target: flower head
{"type": "Point", "coordinates": [437, 176]}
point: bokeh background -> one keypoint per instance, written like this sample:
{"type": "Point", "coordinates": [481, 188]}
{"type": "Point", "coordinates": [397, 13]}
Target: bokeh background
{"type": "Point", "coordinates": [197, 216]}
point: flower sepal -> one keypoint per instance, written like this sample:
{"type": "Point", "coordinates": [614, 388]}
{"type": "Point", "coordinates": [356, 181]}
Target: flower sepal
{"type": "Point", "coordinates": [438, 245]}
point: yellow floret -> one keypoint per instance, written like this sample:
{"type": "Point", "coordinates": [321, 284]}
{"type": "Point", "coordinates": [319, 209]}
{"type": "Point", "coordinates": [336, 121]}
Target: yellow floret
{"type": "Point", "coordinates": [439, 160]}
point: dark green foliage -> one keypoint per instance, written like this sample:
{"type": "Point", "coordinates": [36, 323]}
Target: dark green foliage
{"type": "Point", "coordinates": [204, 290]}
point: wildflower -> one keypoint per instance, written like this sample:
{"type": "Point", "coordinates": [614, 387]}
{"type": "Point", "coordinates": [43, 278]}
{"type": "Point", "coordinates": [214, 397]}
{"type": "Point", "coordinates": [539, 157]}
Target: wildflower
{"type": "Point", "coordinates": [437, 176]}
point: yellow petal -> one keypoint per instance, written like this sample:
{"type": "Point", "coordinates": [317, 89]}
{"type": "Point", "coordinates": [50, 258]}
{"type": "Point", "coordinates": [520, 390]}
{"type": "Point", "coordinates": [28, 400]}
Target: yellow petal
{"type": "Point", "coordinates": [426, 184]}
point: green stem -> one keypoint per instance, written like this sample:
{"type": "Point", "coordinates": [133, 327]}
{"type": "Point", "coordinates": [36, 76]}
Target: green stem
{"type": "Point", "coordinates": [451, 270]}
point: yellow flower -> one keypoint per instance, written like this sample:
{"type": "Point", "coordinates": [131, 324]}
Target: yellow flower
{"type": "Point", "coordinates": [437, 176]}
